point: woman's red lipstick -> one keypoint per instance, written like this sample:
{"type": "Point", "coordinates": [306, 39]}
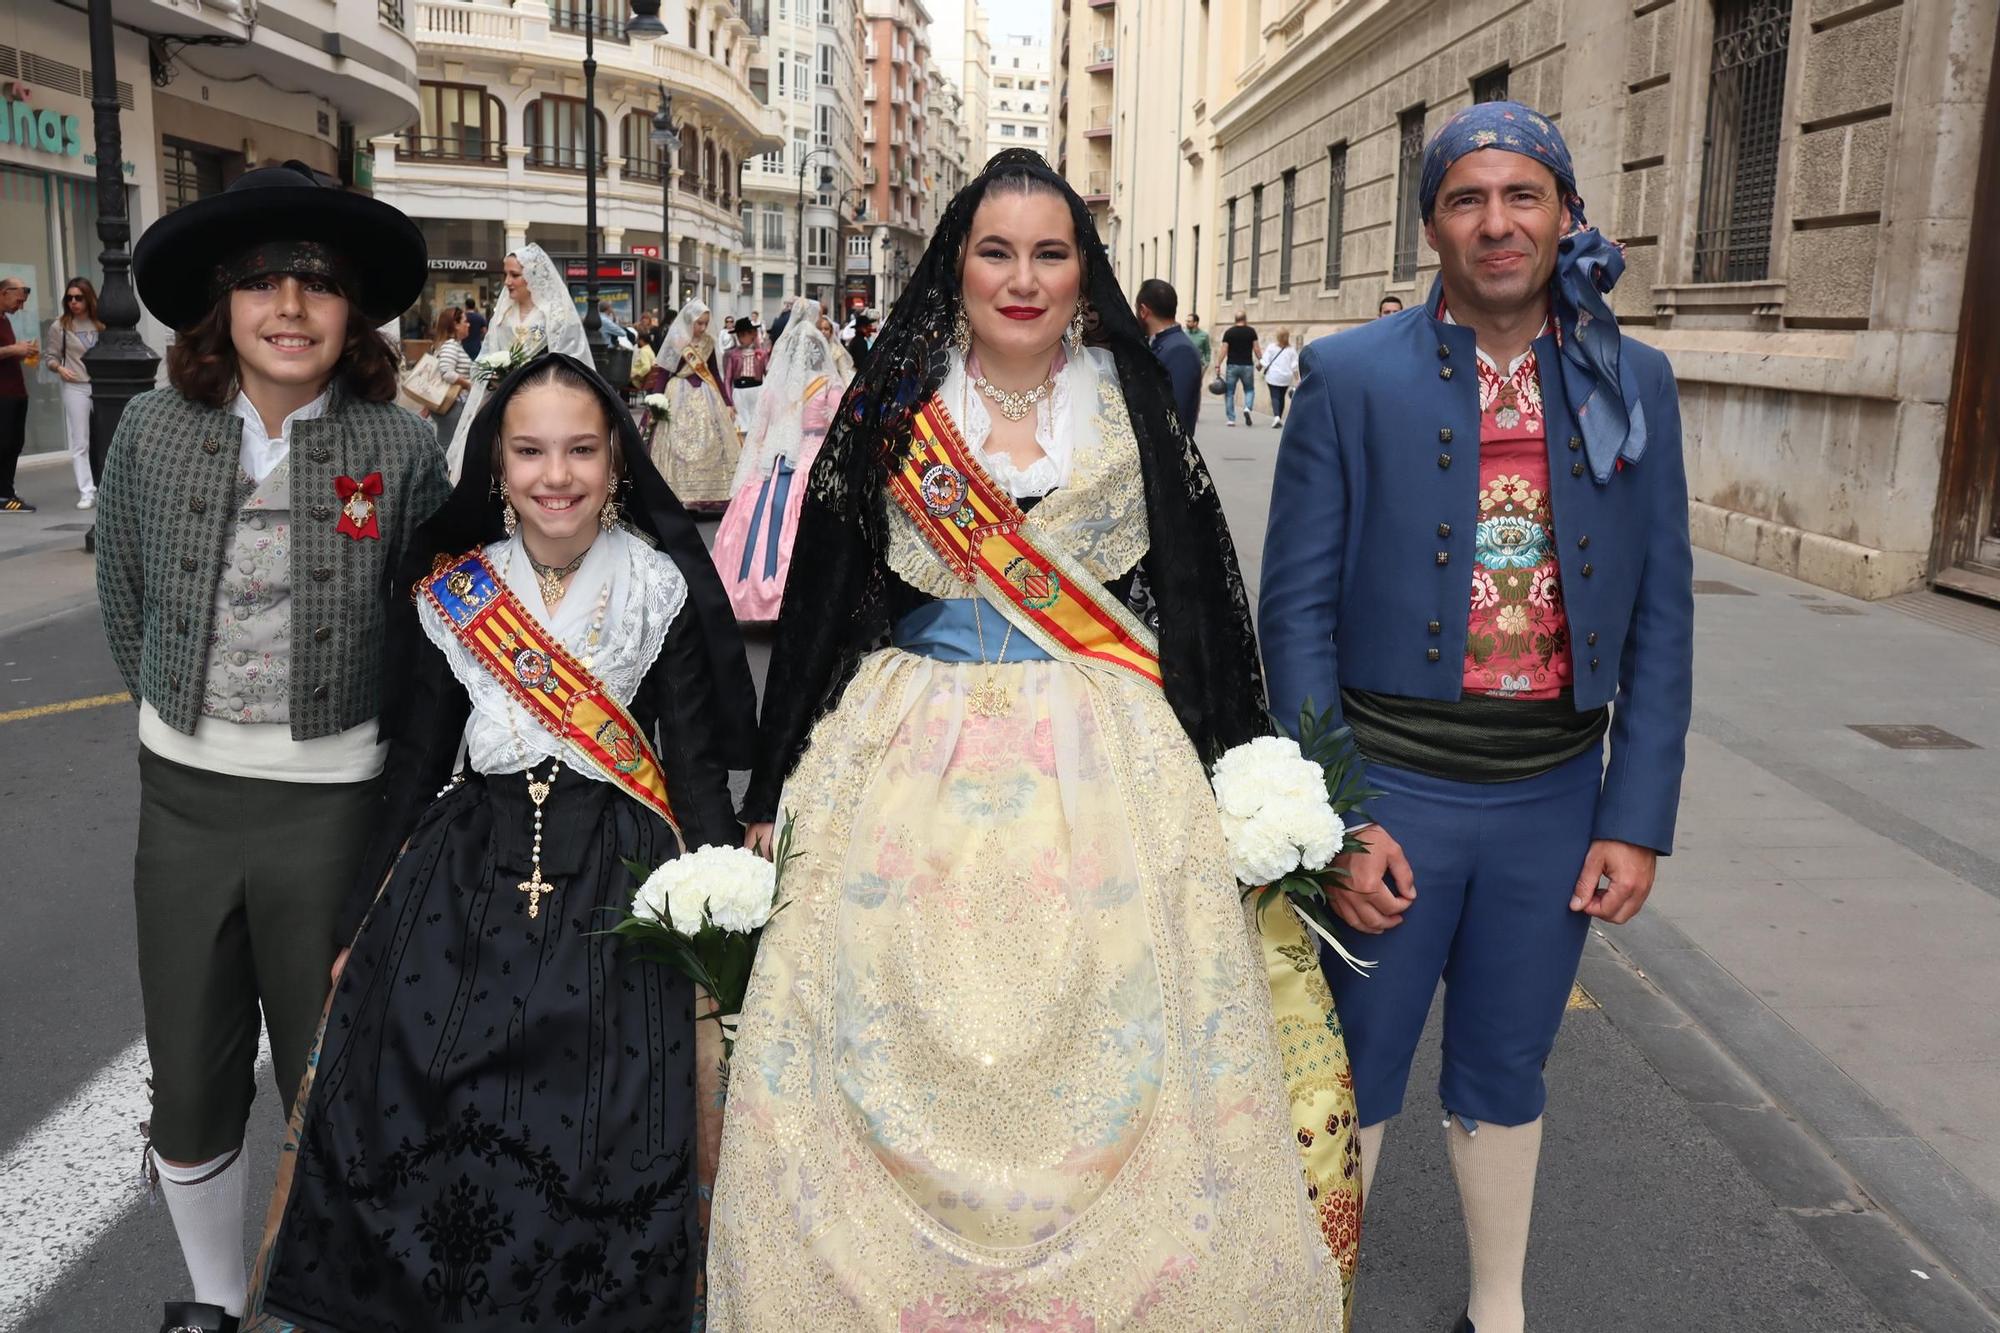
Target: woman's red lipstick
{"type": "Point", "coordinates": [1023, 311]}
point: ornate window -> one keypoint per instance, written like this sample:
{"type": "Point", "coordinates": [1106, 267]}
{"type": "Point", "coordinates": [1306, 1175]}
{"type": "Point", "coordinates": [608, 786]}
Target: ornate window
{"type": "Point", "coordinates": [1256, 236]}
{"type": "Point", "coordinates": [555, 129]}
{"type": "Point", "coordinates": [1409, 179]}
{"type": "Point", "coordinates": [457, 122]}
{"type": "Point", "coordinates": [1336, 209]}
{"type": "Point", "coordinates": [1291, 191]}
{"type": "Point", "coordinates": [1746, 105]}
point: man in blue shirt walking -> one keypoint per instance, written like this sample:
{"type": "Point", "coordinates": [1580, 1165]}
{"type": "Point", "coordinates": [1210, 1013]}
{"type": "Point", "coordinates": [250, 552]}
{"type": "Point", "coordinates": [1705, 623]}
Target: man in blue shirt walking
{"type": "Point", "coordinates": [1155, 306]}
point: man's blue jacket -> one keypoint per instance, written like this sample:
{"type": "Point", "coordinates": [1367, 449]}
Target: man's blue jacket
{"type": "Point", "coordinates": [1368, 558]}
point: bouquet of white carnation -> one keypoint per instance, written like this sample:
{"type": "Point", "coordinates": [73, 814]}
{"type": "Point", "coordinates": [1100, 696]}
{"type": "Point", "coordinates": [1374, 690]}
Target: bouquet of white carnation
{"type": "Point", "coordinates": [656, 404]}
{"type": "Point", "coordinates": [1281, 802]}
{"type": "Point", "coordinates": [496, 363]}
{"type": "Point", "coordinates": [702, 913]}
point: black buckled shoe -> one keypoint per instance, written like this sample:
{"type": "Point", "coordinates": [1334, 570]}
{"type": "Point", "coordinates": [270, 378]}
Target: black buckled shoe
{"type": "Point", "coordinates": [197, 1317]}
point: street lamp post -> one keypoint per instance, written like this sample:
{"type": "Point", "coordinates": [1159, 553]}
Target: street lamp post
{"type": "Point", "coordinates": [121, 365]}
{"type": "Point", "coordinates": [666, 138]}
{"type": "Point", "coordinates": [826, 181]}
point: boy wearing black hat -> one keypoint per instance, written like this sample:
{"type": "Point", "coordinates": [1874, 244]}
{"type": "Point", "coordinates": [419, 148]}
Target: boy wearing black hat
{"type": "Point", "coordinates": [248, 521]}
{"type": "Point", "coordinates": [743, 367]}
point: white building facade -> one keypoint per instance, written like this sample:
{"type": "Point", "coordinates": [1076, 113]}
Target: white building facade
{"type": "Point", "coordinates": [1017, 108]}
{"type": "Point", "coordinates": [496, 155]}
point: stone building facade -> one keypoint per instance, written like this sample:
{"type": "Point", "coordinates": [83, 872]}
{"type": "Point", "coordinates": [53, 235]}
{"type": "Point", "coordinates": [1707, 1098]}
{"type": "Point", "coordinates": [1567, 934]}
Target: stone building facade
{"type": "Point", "coordinates": [1795, 183]}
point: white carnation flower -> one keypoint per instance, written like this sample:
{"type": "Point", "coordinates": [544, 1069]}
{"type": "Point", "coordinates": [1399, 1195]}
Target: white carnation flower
{"type": "Point", "coordinates": [1316, 830]}
{"type": "Point", "coordinates": [741, 887]}
{"type": "Point", "coordinates": [650, 902]}
{"type": "Point", "coordinates": [1260, 852]}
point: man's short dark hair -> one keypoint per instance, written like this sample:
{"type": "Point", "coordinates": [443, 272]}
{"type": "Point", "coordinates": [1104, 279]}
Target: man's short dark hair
{"type": "Point", "coordinates": [1396, 301]}
{"type": "Point", "coordinates": [1158, 296]}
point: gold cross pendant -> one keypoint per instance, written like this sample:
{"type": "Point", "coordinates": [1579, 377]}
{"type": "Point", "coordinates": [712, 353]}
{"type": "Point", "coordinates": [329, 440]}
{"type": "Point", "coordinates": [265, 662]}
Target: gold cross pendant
{"type": "Point", "coordinates": [535, 887]}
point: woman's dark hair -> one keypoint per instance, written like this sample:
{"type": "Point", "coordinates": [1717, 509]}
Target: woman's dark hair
{"type": "Point", "coordinates": [201, 364]}
{"type": "Point", "coordinates": [446, 327]}
{"type": "Point", "coordinates": [560, 371]}
{"type": "Point", "coordinates": [89, 293]}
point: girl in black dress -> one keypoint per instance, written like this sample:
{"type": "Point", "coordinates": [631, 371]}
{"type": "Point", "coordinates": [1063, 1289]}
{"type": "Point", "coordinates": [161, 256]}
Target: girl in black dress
{"type": "Point", "coordinates": [498, 1130]}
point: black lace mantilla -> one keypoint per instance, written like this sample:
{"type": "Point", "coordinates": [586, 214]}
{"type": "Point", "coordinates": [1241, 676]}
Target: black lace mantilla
{"type": "Point", "coordinates": [836, 603]}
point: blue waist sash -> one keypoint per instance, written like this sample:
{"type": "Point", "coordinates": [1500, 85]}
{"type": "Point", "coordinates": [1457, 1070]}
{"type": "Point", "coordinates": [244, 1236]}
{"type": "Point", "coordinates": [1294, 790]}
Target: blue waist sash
{"type": "Point", "coordinates": [946, 632]}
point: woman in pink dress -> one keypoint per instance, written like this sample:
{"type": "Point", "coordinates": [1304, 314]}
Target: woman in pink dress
{"type": "Point", "coordinates": [802, 391]}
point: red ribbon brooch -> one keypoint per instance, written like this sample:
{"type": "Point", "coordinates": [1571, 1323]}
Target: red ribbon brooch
{"type": "Point", "coordinates": [357, 506]}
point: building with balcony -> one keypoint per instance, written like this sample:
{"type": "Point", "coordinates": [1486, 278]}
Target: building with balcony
{"type": "Point", "coordinates": [961, 48]}
{"type": "Point", "coordinates": [496, 155]}
{"type": "Point", "coordinates": [208, 89]}
{"type": "Point", "coordinates": [895, 87]}
{"type": "Point", "coordinates": [1018, 96]}
{"type": "Point", "coordinates": [947, 146]}
{"type": "Point", "coordinates": [1080, 114]}
{"type": "Point", "coordinates": [808, 67]}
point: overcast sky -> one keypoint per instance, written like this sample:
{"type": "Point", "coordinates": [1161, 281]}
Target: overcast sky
{"type": "Point", "coordinates": [1002, 17]}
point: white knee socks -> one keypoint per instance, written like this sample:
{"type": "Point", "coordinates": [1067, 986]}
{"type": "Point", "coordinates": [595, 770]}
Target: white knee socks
{"type": "Point", "coordinates": [1496, 1189]}
{"type": "Point", "coordinates": [1370, 1139]}
{"type": "Point", "coordinates": [206, 1203]}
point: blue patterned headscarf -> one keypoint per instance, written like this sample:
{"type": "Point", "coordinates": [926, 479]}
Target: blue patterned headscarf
{"type": "Point", "coordinates": [1606, 401]}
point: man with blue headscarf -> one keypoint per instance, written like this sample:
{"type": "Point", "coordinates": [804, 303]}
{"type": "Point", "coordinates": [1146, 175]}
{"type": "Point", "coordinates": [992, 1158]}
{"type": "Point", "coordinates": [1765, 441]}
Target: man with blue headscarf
{"type": "Point", "coordinates": [1478, 559]}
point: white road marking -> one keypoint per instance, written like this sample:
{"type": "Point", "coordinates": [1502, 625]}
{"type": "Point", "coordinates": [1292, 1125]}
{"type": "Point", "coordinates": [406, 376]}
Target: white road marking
{"type": "Point", "coordinates": [70, 1179]}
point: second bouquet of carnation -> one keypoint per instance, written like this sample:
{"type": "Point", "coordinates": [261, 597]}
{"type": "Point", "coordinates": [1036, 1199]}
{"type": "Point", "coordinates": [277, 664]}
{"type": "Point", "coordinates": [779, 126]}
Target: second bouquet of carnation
{"type": "Point", "coordinates": [1282, 804]}
{"type": "Point", "coordinates": [702, 914]}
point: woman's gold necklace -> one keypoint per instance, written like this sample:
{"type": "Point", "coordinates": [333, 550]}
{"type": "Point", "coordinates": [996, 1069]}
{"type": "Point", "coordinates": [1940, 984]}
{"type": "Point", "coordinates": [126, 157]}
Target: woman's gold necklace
{"type": "Point", "coordinates": [989, 698]}
{"type": "Point", "coordinates": [552, 579]}
{"type": "Point", "coordinates": [1014, 406]}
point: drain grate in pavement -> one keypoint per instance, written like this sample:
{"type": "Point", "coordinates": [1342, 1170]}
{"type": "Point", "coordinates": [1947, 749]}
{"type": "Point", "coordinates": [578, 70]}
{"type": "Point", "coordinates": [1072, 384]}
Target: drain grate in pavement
{"type": "Point", "coordinates": [1911, 736]}
{"type": "Point", "coordinates": [1831, 609]}
{"type": "Point", "coordinates": [1717, 588]}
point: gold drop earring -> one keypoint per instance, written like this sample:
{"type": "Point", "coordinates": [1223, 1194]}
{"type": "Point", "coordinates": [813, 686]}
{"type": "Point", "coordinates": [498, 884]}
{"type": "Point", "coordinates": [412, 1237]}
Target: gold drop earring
{"type": "Point", "coordinates": [607, 517]}
{"type": "Point", "coordinates": [1076, 326]}
{"type": "Point", "coordinates": [509, 520]}
{"type": "Point", "coordinates": [961, 330]}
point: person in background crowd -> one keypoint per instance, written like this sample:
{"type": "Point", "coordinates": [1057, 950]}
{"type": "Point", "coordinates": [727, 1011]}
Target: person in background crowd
{"type": "Point", "coordinates": [863, 340]}
{"type": "Point", "coordinates": [757, 327]}
{"type": "Point", "coordinates": [1281, 369]}
{"type": "Point", "coordinates": [1240, 350]}
{"type": "Point", "coordinates": [843, 364]}
{"type": "Point", "coordinates": [1155, 306]}
{"type": "Point", "coordinates": [784, 318]}
{"type": "Point", "coordinates": [661, 324]}
{"type": "Point", "coordinates": [476, 339]}
{"type": "Point", "coordinates": [695, 445]}
{"type": "Point", "coordinates": [448, 346]}
{"type": "Point", "coordinates": [1202, 342]}
{"type": "Point", "coordinates": [248, 522]}
{"type": "Point", "coordinates": [68, 338]}
{"type": "Point", "coordinates": [847, 326]}
{"type": "Point", "coordinates": [743, 367]}
{"type": "Point", "coordinates": [615, 330]}
{"type": "Point", "coordinates": [1479, 683]}
{"type": "Point", "coordinates": [13, 394]}
{"type": "Point", "coordinates": [1390, 305]}
{"type": "Point", "coordinates": [538, 315]}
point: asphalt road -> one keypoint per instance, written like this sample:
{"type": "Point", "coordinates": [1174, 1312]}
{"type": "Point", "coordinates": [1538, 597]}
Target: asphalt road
{"type": "Point", "coordinates": [1644, 1220]}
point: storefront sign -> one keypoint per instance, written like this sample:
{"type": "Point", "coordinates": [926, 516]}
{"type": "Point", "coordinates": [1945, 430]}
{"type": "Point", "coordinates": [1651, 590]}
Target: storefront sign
{"type": "Point", "coordinates": [41, 129]}
{"type": "Point", "coordinates": [447, 265]}
{"type": "Point", "coordinates": [607, 267]}
{"type": "Point", "coordinates": [646, 251]}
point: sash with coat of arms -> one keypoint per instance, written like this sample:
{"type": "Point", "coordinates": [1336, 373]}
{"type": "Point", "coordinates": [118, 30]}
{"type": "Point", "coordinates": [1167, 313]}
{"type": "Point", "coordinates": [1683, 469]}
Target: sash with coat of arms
{"type": "Point", "coordinates": [544, 678]}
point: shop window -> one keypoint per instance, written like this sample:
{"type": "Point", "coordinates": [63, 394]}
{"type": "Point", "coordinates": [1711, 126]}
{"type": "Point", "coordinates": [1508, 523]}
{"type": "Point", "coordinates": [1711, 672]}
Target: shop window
{"type": "Point", "coordinates": [1409, 180]}
{"type": "Point", "coordinates": [1746, 105]}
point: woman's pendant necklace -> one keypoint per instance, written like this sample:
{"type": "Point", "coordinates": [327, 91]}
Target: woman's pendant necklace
{"type": "Point", "coordinates": [1014, 406]}
{"type": "Point", "coordinates": [534, 885]}
{"type": "Point", "coordinates": [989, 698]}
{"type": "Point", "coordinates": [552, 579]}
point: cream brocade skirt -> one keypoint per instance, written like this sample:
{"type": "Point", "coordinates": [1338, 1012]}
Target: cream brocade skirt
{"type": "Point", "coordinates": [1008, 1058]}
{"type": "Point", "coordinates": [696, 449]}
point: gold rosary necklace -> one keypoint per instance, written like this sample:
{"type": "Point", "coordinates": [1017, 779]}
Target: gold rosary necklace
{"type": "Point", "coordinates": [538, 790]}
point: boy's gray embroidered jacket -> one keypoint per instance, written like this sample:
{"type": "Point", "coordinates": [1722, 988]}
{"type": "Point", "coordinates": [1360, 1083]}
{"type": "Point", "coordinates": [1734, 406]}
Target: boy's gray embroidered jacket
{"type": "Point", "coordinates": [166, 510]}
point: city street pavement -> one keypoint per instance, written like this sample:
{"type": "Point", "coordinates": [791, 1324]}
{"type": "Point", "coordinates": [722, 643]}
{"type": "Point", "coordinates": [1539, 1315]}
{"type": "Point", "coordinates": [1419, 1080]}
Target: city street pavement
{"type": "Point", "coordinates": [1770, 1108]}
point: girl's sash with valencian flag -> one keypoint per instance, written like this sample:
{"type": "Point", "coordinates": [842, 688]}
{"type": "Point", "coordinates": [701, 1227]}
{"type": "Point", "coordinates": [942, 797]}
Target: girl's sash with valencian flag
{"type": "Point", "coordinates": [540, 674]}
{"type": "Point", "coordinates": [977, 530]}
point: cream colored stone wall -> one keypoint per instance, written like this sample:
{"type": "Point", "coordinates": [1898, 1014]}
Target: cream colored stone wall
{"type": "Point", "coordinates": [1813, 401]}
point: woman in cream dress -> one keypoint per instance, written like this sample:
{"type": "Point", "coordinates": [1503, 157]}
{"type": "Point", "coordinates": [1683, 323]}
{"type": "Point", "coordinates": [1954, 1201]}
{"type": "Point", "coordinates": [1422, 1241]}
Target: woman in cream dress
{"type": "Point", "coordinates": [696, 445]}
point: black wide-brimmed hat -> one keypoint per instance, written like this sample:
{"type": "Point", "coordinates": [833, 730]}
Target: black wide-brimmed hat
{"type": "Point", "coordinates": [279, 220]}
{"type": "Point", "coordinates": [743, 324]}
